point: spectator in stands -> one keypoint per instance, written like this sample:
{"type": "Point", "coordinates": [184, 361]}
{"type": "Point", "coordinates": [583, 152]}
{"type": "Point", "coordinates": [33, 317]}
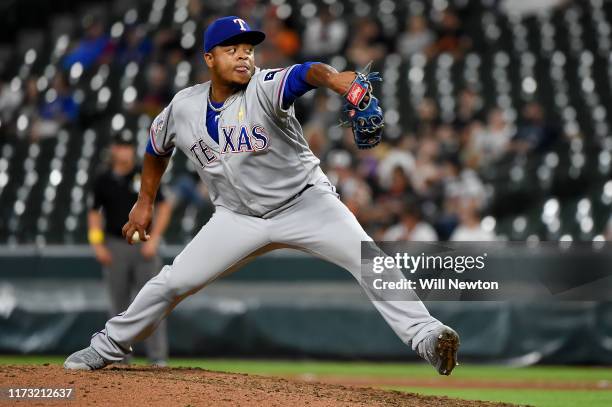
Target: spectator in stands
{"type": "Point", "coordinates": [366, 43]}
{"type": "Point", "coordinates": [284, 39]}
{"type": "Point", "coordinates": [126, 268]}
{"type": "Point", "coordinates": [416, 38]}
{"type": "Point", "coordinates": [448, 140]}
{"type": "Point", "coordinates": [487, 144]}
{"type": "Point", "coordinates": [324, 35]}
{"type": "Point", "coordinates": [367, 167]}
{"type": "Point", "coordinates": [338, 166]}
{"type": "Point", "coordinates": [427, 119]}
{"type": "Point", "coordinates": [279, 51]}
{"type": "Point", "coordinates": [391, 200]}
{"type": "Point", "coordinates": [94, 45]}
{"type": "Point", "coordinates": [58, 109]}
{"type": "Point", "coordinates": [534, 134]}
{"type": "Point", "coordinates": [468, 109]}
{"type": "Point", "coordinates": [455, 184]}
{"type": "Point", "coordinates": [355, 192]}
{"type": "Point", "coordinates": [460, 181]}
{"type": "Point", "coordinates": [196, 9]}
{"type": "Point", "coordinates": [411, 227]}
{"type": "Point", "coordinates": [396, 158]}
{"type": "Point", "coordinates": [400, 185]}
{"type": "Point", "coordinates": [157, 92]}
{"type": "Point", "coordinates": [135, 46]}
{"type": "Point", "coordinates": [470, 229]}
{"type": "Point", "coordinates": [426, 171]}
{"type": "Point", "coordinates": [451, 37]}
{"type": "Point", "coordinates": [167, 47]}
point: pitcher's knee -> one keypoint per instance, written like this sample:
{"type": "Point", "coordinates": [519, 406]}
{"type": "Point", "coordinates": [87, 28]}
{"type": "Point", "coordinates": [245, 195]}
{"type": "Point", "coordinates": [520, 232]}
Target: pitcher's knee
{"type": "Point", "coordinates": [178, 282]}
{"type": "Point", "coordinates": [168, 283]}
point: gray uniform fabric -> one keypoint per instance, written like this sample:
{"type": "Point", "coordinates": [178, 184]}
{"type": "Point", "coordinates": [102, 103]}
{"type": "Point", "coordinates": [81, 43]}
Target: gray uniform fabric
{"type": "Point", "coordinates": [262, 158]}
{"type": "Point", "coordinates": [123, 278]}
{"type": "Point", "coordinates": [254, 175]}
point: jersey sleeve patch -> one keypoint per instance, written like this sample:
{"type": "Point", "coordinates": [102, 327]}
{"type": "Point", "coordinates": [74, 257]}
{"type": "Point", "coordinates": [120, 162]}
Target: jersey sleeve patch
{"type": "Point", "coordinates": [161, 135]}
{"type": "Point", "coordinates": [270, 75]}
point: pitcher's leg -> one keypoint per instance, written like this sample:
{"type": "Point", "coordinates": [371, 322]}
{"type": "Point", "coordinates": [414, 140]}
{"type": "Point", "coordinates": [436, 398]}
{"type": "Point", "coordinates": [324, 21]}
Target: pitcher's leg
{"type": "Point", "coordinates": [225, 241]}
{"type": "Point", "coordinates": [321, 224]}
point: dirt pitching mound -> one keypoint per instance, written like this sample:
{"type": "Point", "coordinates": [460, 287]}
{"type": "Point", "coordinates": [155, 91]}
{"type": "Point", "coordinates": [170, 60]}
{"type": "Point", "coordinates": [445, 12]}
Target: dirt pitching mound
{"type": "Point", "coordinates": [138, 386]}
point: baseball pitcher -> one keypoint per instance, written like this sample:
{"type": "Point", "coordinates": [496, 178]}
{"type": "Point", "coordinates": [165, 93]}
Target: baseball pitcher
{"type": "Point", "coordinates": [240, 131]}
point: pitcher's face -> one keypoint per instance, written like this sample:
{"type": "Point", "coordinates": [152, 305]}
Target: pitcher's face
{"type": "Point", "coordinates": [233, 64]}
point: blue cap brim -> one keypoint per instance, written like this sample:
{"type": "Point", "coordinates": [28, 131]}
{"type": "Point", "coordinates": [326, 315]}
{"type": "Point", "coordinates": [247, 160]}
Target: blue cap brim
{"type": "Point", "coordinates": [249, 37]}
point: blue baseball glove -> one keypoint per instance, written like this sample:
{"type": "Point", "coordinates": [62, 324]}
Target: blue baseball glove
{"type": "Point", "coordinates": [361, 110]}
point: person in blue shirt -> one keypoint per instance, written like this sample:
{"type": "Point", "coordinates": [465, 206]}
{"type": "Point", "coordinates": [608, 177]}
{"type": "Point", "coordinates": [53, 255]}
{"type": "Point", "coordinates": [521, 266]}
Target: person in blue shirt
{"type": "Point", "coordinates": [58, 109]}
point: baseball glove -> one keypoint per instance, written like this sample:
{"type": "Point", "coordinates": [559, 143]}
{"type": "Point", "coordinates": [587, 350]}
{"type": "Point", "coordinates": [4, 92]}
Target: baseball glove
{"type": "Point", "coordinates": [361, 110]}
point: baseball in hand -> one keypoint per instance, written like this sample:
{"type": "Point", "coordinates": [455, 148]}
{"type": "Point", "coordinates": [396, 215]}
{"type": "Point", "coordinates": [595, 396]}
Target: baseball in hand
{"type": "Point", "coordinates": [136, 237]}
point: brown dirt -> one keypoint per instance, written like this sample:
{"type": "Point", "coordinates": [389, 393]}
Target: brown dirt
{"type": "Point", "coordinates": [138, 386]}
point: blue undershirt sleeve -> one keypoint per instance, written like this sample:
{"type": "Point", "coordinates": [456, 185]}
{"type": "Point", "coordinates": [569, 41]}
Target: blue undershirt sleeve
{"type": "Point", "coordinates": [151, 150]}
{"type": "Point", "coordinates": [295, 84]}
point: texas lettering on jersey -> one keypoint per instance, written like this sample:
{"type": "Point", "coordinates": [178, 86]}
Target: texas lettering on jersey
{"type": "Point", "coordinates": [232, 139]}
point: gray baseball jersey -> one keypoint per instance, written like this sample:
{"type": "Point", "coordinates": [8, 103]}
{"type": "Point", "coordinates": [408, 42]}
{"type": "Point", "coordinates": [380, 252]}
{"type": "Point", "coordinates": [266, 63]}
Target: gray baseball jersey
{"type": "Point", "coordinates": [261, 159]}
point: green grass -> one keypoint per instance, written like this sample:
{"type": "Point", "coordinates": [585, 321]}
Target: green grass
{"type": "Point", "coordinates": [532, 397]}
{"type": "Point", "coordinates": [536, 397]}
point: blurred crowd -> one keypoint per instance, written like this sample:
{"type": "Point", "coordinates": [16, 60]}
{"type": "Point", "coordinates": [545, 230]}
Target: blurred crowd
{"type": "Point", "coordinates": [423, 185]}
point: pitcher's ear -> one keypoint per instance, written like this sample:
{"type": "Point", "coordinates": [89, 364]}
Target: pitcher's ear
{"type": "Point", "coordinates": [209, 58]}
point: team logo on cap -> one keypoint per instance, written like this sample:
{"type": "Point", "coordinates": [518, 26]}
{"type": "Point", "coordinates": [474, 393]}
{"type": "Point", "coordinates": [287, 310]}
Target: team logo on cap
{"type": "Point", "coordinates": [241, 22]}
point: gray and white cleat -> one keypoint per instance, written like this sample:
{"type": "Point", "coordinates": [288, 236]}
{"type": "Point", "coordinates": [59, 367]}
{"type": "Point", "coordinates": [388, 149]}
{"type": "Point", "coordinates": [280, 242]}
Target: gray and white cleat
{"type": "Point", "coordinates": [85, 359]}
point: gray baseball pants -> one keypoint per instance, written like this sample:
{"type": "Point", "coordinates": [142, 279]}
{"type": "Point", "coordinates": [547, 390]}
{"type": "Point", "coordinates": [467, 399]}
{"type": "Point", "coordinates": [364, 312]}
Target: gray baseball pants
{"type": "Point", "coordinates": [316, 222]}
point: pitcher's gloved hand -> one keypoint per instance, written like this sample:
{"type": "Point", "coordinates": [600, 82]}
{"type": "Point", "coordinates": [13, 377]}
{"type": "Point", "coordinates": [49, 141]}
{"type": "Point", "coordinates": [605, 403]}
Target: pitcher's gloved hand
{"type": "Point", "coordinates": [361, 110]}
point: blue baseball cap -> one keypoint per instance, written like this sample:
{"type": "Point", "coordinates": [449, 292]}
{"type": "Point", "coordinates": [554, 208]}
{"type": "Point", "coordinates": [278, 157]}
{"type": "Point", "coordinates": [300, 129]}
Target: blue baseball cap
{"type": "Point", "coordinates": [230, 29]}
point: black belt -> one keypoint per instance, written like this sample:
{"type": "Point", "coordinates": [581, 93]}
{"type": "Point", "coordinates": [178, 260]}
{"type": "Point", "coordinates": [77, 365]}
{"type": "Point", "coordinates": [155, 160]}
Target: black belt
{"type": "Point", "coordinates": [287, 201]}
{"type": "Point", "coordinates": [301, 192]}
